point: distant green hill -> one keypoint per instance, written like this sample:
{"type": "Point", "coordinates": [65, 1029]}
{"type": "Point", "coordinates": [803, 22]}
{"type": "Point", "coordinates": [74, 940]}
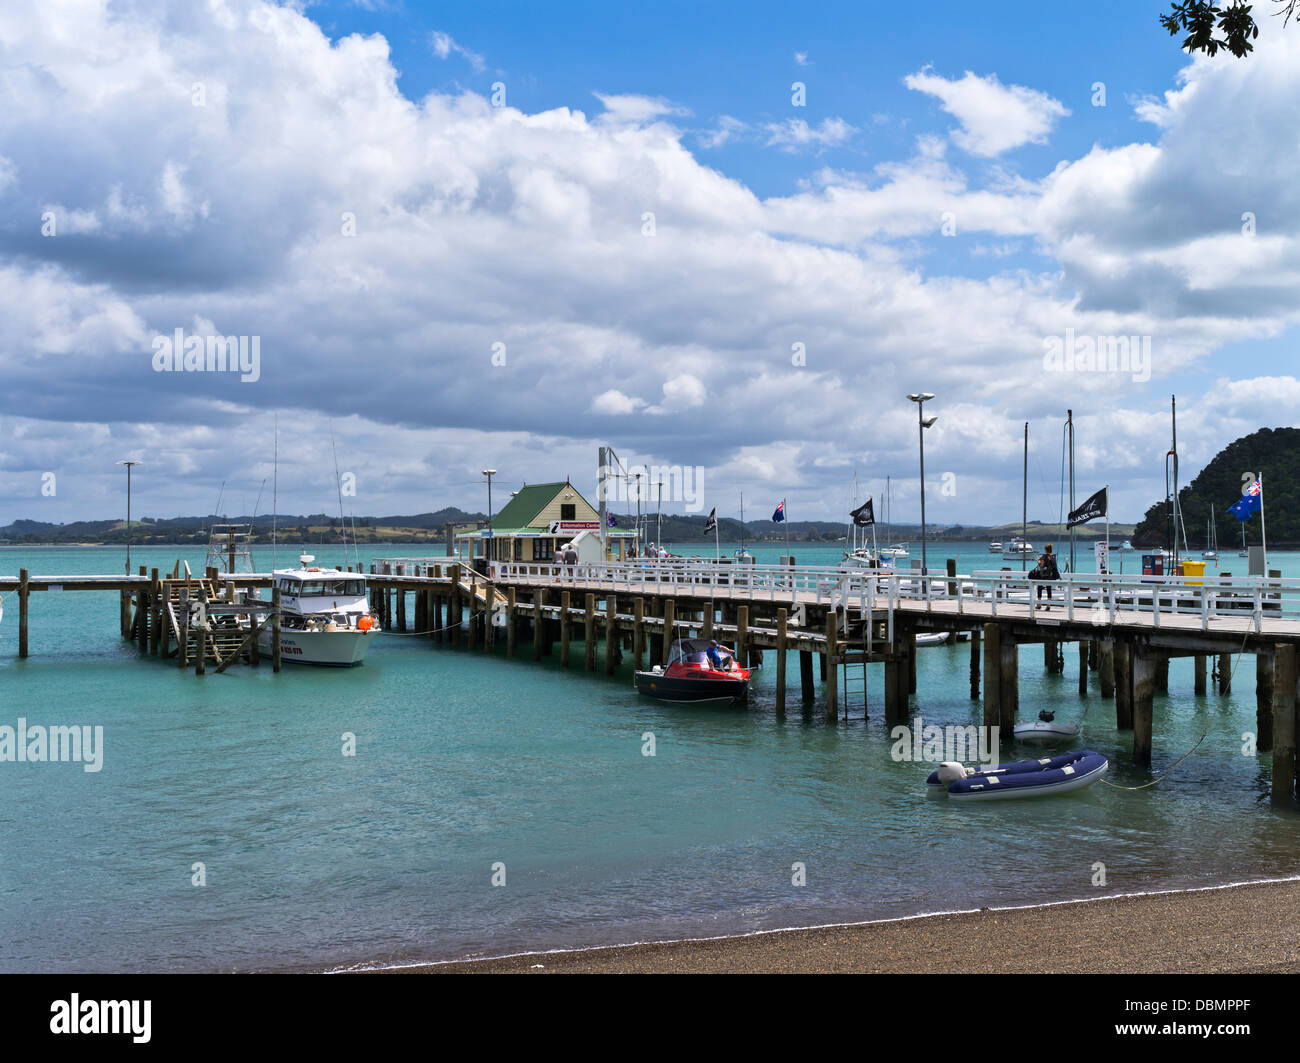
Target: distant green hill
{"type": "Point", "coordinates": [1275, 452]}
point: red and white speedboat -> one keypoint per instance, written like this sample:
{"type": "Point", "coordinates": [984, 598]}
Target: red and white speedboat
{"type": "Point", "coordinates": [691, 677]}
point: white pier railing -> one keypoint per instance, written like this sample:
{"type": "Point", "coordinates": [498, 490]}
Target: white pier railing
{"type": "Point", "coordinates": [1207, 603]}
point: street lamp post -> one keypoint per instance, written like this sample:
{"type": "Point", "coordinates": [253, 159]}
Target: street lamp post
{"type": "Point", "coordinates": [489, 473]}
{"type": "Point", "coordinates": [659, 520]}
{"type": "Point", "coordinates": [638, 515]}
{"type": "Point", "coordinates": [922, 422]}
{"type": "Point", "coordinates": [128, 465]}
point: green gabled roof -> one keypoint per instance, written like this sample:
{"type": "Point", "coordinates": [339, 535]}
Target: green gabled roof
{"type": "Point", "coordinates": [527, 503]}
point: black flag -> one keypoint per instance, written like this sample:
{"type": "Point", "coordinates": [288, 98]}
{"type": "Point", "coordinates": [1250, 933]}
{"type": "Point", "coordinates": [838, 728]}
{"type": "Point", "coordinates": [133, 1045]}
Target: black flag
{"type": "Point", "coordinates": [1092, 507]}
{"type": "Point", "coordinates": [864, 515]}
{"type": "Point", "coordinates": [712, 523]}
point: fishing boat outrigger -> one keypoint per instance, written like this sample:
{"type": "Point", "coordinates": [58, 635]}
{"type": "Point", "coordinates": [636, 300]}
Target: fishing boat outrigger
{"type": "Point", "coordinates": [691, 676]}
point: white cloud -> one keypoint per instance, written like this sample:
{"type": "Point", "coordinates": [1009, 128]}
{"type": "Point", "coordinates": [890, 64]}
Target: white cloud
{"type": "Point", "coordinates": [614, 403]}
{"type": "Point", "coordinates": [443, 45]}
{"type": "Point", "coordinates": [794, 134]}
{"type": "Point", "coordinates": [478, 226]}
{"type": "Point", "coordinates": [994, 117]}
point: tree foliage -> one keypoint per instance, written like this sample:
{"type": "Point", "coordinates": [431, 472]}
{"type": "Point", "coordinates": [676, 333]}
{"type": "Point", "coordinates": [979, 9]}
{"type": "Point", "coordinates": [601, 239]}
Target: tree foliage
{"type": "Point", "coordinates": [1201, 19]}
{"type": "Point", "coordinates": [1275, 452]}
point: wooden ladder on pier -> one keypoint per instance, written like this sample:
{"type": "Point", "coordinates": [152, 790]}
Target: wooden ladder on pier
{"type": "Point", "coordinates": [219, 642]}
{"type": "Point", "coordinates": [853, 680]}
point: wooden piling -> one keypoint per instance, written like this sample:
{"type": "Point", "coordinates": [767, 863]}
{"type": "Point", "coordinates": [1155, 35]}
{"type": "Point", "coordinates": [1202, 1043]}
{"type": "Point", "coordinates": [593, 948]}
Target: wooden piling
{"type": "Point", "coordinates": [638, 632]}
{"type": "Point", "coordinates": [566, 627]}
{"type": "Point", "coordinates": [706, 628]}
{"type": "Point", "coordinates": [1083, 666]}
{"type": "Point", "coordinates": [1161, 673]}
{"type": "Point", "coordinates": [832, 666]}
{"type": "Point", "coordinates": [1225, 674]}
{"type": "Point", "coordinates": [911, 661]}
{"type": "Point", "coordinates": [806, 685]}
{"type": "Point", "coordinates": [1264, 699]}
{"type": "Point", "coordinates": [1106, 668]}
{"type": "Point", "coordinates": [992, 685]}
{"type": "Point", "coordinates": [975, 664]}
{"type": "Point", "coordinates": [471, 635]}
{"type": "Point", "coordinates": [1284, 724]}
{"type": "Point", "coordinates": [453, 605]}
{"type": "Point", "coordinates": [511, 624]}
{"type": "Point", "coordinates": [537, 624]}
{"type": "Point", "coordinates": [611, 633]}
{"type": "Point", "coordinates": [183, 651]}
{"type": "Point", "coordinates": [781, 620]}
{"type": "Point", "coordinates": [142, 615]}
{"type": "Point", "coordinates": [24, 592]}
{"type": "Point", "coordinates": [1145, 664]}
{"type": "Point", "coordinates": [742, 635]}
{"type": "Point", "coordinates": [1198, 674]}
{"type": "Point", "coordinates": [589, 632]}
{"type": "Point", "coordinates": [1009, 681]}
{"type": "Point", "coordinates": [1123, 686]}
{"type": "Point", "coordinates": [670, 618]}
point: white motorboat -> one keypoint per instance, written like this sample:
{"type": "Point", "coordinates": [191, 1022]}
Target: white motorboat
{"type": "Point", "coordinates": [1017, 547]}
{"type": "Point", "coordinates": [325, 618]}
{"type": "Point", "coordinates": [995, 548]}
{"type": "Point", "coordinates": [932, 638]}
{"type": "Point", "coordinates": [895, 551]}
{"type": "Point", "coordinates": [1045, 729]}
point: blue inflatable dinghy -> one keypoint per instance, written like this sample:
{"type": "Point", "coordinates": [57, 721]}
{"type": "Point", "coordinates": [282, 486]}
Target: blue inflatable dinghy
{"type": "Point", "coordinates": [1025, 778]}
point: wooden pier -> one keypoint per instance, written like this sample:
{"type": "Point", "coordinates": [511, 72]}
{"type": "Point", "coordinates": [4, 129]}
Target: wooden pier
{"type": "Point", "coordinates": [199, 621]}
{"type": "Point", "coordinates": [1125, 630]}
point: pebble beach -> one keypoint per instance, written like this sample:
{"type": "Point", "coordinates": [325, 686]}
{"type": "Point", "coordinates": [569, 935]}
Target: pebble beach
{"type": "Point", "coordinates": [1230, 930]}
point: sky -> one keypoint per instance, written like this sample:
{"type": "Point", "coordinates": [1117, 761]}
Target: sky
{"type": "Point", "coordinates": [722, 238]}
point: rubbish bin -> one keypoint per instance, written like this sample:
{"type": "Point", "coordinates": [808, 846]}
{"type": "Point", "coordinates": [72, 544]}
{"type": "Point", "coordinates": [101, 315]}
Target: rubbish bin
{"type": "Point", "coordinates": [1194, 571]}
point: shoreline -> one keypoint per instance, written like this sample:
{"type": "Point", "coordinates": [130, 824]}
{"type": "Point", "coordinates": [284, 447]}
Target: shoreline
{"type": "Point", "coordinates": [1235, 928]}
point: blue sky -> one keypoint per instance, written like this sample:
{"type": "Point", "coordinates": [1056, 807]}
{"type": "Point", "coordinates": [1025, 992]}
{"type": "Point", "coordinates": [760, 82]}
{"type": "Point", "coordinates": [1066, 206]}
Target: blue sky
{"type": "Point", "coordinates": [201, 163]}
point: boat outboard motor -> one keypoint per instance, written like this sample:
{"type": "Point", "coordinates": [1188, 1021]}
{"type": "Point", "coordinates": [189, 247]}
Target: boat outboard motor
{"type": "Point", "coordinates": [1046, 716]}
{"type": "Point", "coordinates": [950, 771]}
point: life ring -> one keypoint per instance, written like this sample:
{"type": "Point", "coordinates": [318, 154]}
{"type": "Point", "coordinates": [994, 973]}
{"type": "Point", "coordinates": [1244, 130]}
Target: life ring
{"type": "Point", "coordinates": [365, 623]}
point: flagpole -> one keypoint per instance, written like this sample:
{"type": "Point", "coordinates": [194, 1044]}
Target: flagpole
{"type": "Point", "coordinates": [1108, 527]}
{"type": "Point", "coordinates": [785, 519]}
{"type": "Point", "coordinates": [1263, 529]}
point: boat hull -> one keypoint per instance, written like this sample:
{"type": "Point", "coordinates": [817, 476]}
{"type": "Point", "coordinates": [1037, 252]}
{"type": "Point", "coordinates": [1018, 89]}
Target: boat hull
{"type": "Point", "coordinates": [324, 649]}
{"type": "Point", "coordinates": [1038, 731]}
{"type": "Point", "coordinates": [691, 690]}
{"type": "Point", "coordinates": [1028, 778]}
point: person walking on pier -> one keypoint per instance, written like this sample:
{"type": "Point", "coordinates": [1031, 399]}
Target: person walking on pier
{"type": "Point", "coordinates": [570, 558]}
{"type": "Point", "coordinates": [1046, 571]}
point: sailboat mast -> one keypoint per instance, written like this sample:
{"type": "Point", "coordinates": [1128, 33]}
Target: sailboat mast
{"type": "Point", "coordinates": [1024, 500]}
{"type": "Point", "coordinates": [1069, 415]}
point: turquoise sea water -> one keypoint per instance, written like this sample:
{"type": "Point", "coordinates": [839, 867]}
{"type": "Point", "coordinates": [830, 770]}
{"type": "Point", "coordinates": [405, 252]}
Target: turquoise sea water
{"type": "Point", "coordinates": [315, 860]}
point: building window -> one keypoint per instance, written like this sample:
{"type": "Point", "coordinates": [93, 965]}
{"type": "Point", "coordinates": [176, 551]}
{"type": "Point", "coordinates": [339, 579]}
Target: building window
{"type": "Point", "coordinates": [519, 549]}
{"type": "Point", "coordinates": [543, 550]}
{"type": "Point", "coordinates": [568, 511]}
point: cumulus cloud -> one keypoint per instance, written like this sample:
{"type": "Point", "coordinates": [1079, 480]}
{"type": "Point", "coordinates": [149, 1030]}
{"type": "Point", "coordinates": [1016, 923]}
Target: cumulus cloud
{"type": "Point", "coordinates": [445, 279]}
{"type": "Point", "coordinates": [794, 134]}
{"type": "Point", "coordinates": [994, 117]}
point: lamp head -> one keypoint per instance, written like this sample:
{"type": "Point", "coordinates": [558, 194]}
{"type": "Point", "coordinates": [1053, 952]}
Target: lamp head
{"type": "Point", "coordinates": [489, 472]}
{"type": "Point", "coordinates": [921, 396]}
{"type": "Point", "coordinates": [929, 421]}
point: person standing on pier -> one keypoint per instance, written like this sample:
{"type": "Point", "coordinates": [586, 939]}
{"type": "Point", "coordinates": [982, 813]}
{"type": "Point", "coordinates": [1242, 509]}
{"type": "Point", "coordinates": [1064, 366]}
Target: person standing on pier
{"type": "Point", "coordinates": [1046, 571]}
